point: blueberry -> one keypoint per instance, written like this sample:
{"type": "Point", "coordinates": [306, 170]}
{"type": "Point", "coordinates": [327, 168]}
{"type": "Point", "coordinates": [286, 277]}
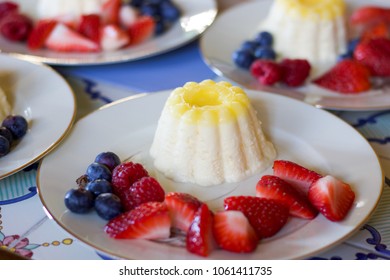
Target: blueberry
{"type": "Point", "coordinates": [98, 171]}
{"type": "Point", "coordinates": [136, 3]}
{"type": "Point", "coordinates": [5, 146]}
{"type": "Point", "coordinates": [249, 46]}
{"type": "Point", "coordinates": [265, 53]}
{"type": "Point", "coordinates": [110, 159]}
{"type": "Point", "coordinates": [243, 58]}
{"type": "Point", "coordinates": [7, 134]}
{"type": "Point", "coordinates": [149, 9]}
{"type": "Point", "coordinates": [108, 206]}
{"type": "Point", "coordinates": [344, 56]}
{"type": "Point", "coordinates": [160, 26]}
{"type": "Point", "coordinates": [352, 45]}
{"type": "Point", "coordinates": [169, 11]}
{"type": "Point", "coordinates": [265, 38]}
{"type": "Point", "coordinates": [17, 125]}
{"type": "Point", "coordinates": [99, 186]}
{"type": "Point", "coordinates": [79, 200]}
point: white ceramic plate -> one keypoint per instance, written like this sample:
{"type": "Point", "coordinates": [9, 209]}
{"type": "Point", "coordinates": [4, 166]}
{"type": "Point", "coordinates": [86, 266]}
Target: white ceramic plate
{"type": "Point", "coordinates": [45, 99]}
{"type": "Point", "coordinates": [240, 23]}
{"type": "Point", "coordinates": [197, 16]}
{"type": "Point", "coordinates": [325, 143]}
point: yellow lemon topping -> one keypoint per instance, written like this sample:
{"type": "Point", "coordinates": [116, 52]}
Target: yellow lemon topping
{"type": "Point", "coordinates": [208, 102]}
{"type": "Point", "coordinates": [314, 9]}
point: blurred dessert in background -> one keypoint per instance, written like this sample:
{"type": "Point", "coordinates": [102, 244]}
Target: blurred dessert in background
{"type": "Point", "coordinates": [314, 30]}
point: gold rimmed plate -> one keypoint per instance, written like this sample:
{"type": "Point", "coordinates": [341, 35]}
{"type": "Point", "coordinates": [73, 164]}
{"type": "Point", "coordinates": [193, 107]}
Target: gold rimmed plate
{"type": "Point", "coordinates": [242, 22]}
{"type": "Point", "coordinates": [325, 143]}
{"type": "Point", "coordinates": [197, 16]}
{"type": "Point", "coordinates": [45, 99]}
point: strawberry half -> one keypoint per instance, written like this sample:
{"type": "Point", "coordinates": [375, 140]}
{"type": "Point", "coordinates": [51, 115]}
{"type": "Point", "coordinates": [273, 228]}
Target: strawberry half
{"type": "Point", "coordinates": [148, 221]}
{"type": "Point", "coordinates": [267, 216]}
{"type": "Point", "coordinates": [273, 187]}
{"type": "Point", "coordinates": [347, 76]}
{"type": "Point", "coordinates": [89, 26]}
{"type": "Point", "coordinates": [375, 55]}
{"type": "Point", "coordinates": [296, 175]}
{"type": "Point", "coordinates": [368, 15]}
{"type": "Point", "coordinates": [200, 239]}
{"type": "Point", "coordinates": [64, 39]}
{"type": "Point", "coordinates": [39, 33]}
{"type": "Point", "coordinates": [110, 11]}
{"type": "Point", "coordinates": [142, 29]}
{"type": "Point", "coordinates": [113, 37]}
{"type": "Point", "coordinates": [182, 208]}
{"type": "Point", "coordinates": [234, 233]}
{"type": "Point", "coordinates": [144, 190]}
{"type": "Point", "coordinates": [332, 197]}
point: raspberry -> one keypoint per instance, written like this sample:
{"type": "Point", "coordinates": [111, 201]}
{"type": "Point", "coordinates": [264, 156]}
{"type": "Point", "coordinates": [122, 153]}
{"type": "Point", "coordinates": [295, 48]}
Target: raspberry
{"type": "Point", "coordinates": [7, 7]}
{"type": "Point", "coordinates": [144, 190]}
{"type": "Point", "coordinates": [126, 174]}
{"type": "Point", "coordinates": [15, 26]}
{"type": "Point", "coordinates": [295, 71]}
{"type": "Point", "coordinates": [267, 72]}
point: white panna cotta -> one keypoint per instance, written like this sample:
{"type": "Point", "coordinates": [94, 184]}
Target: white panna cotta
{"type": "Point", "coordinates": [308, 29]}
{"type": "Point", "coordinates": [208, 133]}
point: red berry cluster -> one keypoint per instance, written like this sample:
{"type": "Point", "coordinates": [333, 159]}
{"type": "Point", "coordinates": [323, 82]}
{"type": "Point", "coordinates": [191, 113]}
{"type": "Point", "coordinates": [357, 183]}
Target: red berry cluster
{"type": "Point", "coordinates": [290, 72]}
{"type": "Point", "coordinates": [14, 25]}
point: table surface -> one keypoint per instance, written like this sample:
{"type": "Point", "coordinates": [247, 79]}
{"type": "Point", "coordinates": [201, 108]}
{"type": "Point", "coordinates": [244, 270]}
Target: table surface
{"type": "Point", "coordinates": [27, 230]}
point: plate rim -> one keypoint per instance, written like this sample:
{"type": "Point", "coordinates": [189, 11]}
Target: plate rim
{"type": "Point", "coordinates": [66, 131]}
{"type": "Point", "coordinates": [326, 102]}
{"type": "Point", "coordinates": [119, 57]}
{"type": "Point", "coordinates": [97, 247]}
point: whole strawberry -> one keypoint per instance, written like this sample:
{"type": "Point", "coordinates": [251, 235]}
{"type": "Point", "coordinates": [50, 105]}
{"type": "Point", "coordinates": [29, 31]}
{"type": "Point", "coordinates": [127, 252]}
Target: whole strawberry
{"type": "Point", "coordinates": [347, 76]}
{"type": "Point", "coordinates": [375, 55]}
{"type": "Point", "coordinates": [294, 71]}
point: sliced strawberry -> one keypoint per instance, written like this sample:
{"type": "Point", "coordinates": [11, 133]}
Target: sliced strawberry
{"type": "Point", "coordinates": [113, 37]}
{"type": "Point", "coordinates": [379, 30]}
{"type": "Point", "coordinates": [39, 34]}
{"type": "Point", "coordinates": [182, 208]}
{"type": "Point", "coordinates": [144, 190]}
{"type": "Point", "coordinates": [110, 11]}
{"type": "Point", "coordinates": [142, 29]}
{"type": "Point", "coordinates": [267, 216]}
{"type": "Point", "coordinates": [332, 197]}
{"type": "Point", "coordinates": [234, 233]}
{"type": "Point", "coordinates": [347, 76]}
{"type": "Point", "coordinates": [148, 221]}
{"type": "Point", "coordinates": [64, 39]}
{"type": "Point", "coordinates": [89, 26]}
{"type": "Point", "coordinates": [125, 174]}
{"type": "Point", "coordinates": [200, 239]}
{"type": "Point", "coordinates": [375, 55]}
{"type": "Point", "coordinates": [296, 175]}
{"type": "Point", "coordinates": [273, 187]}
{"type": "Point", "coordinates": [370, 15]}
